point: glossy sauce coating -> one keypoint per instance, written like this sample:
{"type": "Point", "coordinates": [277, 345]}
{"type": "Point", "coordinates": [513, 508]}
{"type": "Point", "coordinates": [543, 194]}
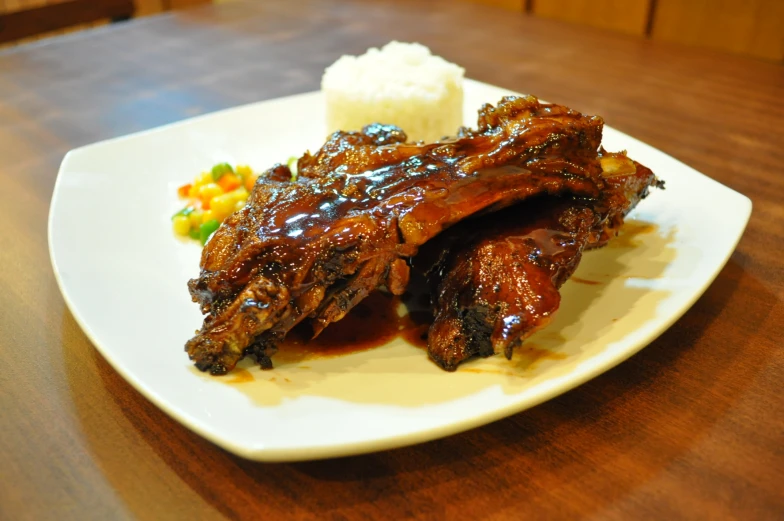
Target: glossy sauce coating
{"type": "Point", "coordinates": [313, 249]}
{"type": "Point", "coordinates": [497, 278]}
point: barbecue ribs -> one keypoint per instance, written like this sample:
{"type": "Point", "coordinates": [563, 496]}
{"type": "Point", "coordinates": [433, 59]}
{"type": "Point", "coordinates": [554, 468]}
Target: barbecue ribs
{"type": "Point", "coordinates": [361, 207]}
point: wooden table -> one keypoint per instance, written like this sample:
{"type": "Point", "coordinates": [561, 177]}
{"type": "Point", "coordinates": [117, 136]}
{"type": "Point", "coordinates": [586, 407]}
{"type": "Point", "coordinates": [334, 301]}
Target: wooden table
{"type": "Point", "coordinates": [692, 427]}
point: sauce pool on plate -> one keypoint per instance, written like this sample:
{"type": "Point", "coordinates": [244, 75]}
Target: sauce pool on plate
{"type": "Point", "coordinates": [373, 322]}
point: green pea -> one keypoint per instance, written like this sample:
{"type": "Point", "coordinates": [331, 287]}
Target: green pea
{"type": "Point", "coordinates": [185, 212]}
{"type": "Point", "coordinates": [207, 229]}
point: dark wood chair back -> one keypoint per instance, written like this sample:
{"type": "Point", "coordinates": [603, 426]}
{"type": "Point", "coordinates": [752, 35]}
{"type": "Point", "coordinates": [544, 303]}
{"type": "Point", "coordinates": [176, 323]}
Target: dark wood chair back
{"type": "Point", "coordinates": [61, 15]}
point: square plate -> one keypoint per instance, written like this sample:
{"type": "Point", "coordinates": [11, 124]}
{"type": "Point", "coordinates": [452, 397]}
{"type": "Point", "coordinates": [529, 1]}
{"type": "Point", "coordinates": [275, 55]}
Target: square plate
{"type": "Point", "coordinates": [123, 275]}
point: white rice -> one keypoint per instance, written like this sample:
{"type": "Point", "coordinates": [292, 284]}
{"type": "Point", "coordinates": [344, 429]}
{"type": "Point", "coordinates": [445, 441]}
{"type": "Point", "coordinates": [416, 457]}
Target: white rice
{"type": "Point", "coordinates": [401, 84]}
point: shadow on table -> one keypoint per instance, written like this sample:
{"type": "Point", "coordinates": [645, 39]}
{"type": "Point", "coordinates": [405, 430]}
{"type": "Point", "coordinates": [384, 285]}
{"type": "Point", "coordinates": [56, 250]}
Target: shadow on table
{"type": "Point", "coordinates": [577, 454]}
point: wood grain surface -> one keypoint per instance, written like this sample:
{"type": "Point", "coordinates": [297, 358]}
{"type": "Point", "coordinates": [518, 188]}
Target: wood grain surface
{"type": "Point", "coordinates": [753, 27]}
{"type": "Point", "coordinates": [692, 427]}
{"type": "Point", "coordinates": [625, 16]}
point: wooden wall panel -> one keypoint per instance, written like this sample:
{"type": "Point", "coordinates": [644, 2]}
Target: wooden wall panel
{"type": "Point", "coordinates": [180, 4]}
{"type": "Point", "coordinates": [512, 5]}
{"type": "Point", "coordinates": [626, 16]}
{"type": "Point", "coordinates": [148, 7]}
{"type": "Point", "coordinates": [33, 20]}
{"type": "Point", "coordinates": [143, 7]}
{"type": "Point", "coordinates": [43, 27]}
{"type": "Point", "coordinates": [9, 6]}
{"type": "Point", "coordinates": [753, 27]}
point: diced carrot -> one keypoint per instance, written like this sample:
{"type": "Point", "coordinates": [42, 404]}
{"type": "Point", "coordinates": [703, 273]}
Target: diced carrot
{"type": "Point", "coordinates": [250, 180]}
{"type": "Point", "coordinates": [184, 190]}
{"type": "Point", "coordinates": [229, 182]}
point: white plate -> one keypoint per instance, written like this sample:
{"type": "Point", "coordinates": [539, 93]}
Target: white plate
{"type": "Point", "coordinates": [123, 275]}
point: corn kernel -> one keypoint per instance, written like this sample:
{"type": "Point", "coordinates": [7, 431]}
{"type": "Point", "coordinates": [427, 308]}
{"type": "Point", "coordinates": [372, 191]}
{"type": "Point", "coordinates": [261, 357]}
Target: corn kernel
{"type": "Point", "coordinates": [240, 194]}
{"type": "Point", "coordinates": [203, 179]}
{"type": "Point", "coordinates": [208, 216]}
{"type": "Point", "coordinates": [222, 206]}
{"type": "Point", "coordinates": [196, 218]}
{"type": "Point", "coordinates": [181, 224]}
{"type": "Point", "coordinates": [243, 171]}
{"type": "Point", "coordinates": [207, 192]}
{"type": "Point", "coordinates": [239, 205]}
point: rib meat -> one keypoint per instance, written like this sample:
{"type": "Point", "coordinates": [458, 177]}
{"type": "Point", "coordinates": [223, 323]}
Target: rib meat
{"type": "Point", "coordinates": [496, 279]}
{"type": "Point", "coordinates": [360, 207]}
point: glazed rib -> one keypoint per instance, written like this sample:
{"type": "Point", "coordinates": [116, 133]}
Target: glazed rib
{"type": "Point", "coordinates": [497, 278]}
{"type": "Point", "coordinates": [364, 204]}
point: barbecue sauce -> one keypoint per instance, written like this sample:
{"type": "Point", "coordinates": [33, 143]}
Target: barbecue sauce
{"type": "Point", "coordinates": [585, 281]}
{"type": "Point", "coordinates": [378, 319]}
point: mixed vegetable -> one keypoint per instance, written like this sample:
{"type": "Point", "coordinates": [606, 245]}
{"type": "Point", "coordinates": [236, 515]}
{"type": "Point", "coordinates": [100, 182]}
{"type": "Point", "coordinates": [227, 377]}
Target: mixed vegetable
{"type": "Point", "coordinates": [215, 195]}
{"type": "Point", "coordinates": [212, 197]}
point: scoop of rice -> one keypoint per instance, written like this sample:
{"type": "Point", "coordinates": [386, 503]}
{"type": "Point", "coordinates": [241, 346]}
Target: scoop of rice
{"type": "Point", "coordinates": [401, 84]}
